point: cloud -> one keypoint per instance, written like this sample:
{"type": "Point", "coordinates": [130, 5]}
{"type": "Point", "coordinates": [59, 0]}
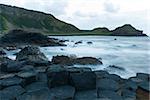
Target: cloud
{"type": "Point", "coordinates": [110, 7]}
{"type": "Point", "coordinates": [57, 7]}
{"type": "Point", "coordinates": [88, 14]}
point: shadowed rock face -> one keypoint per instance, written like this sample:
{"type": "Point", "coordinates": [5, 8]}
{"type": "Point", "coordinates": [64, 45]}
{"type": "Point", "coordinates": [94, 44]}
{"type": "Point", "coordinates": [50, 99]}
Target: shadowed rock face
{"type": "Point", "coordinates": [21, 37]}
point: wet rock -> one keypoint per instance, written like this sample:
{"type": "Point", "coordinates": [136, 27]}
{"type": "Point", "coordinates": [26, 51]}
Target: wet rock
{"type": "Point", "coordinates": [83, 80]}
{"type": "Point", "coordinates": [63, 60]}
{"type": "Point", "coordinates": [10, 93]}
{"type": "Point", "coordinates": [107, 84]}
{"type": "Point", "coordinates": [28, 76]}
{"type": "Point", "coordinates": [143, 91]}
{"type": "Point", "coordinates": [135, 79]}
{"type": "Point", "coordinates": [4, 59]}
{"type": "Point", "coordinates": [130, 85]}
{"type": "Point", "coordinates": [78, 70]}
{"type": "Point", "coordinates": [89, 42]}
{"type": "Point", "coordinates": [42, 77]}
{"type": "Point", "coordinates": [27, 68]}
{"type": "Point", "coordinates": [87, 61]}
{"type": "Point", "coordinates": [86, 95]}
{"type": "Point", "coordinates": [79, 42]}
{"type": "Point", "coordinates": [41, 69]}
{"type": "Point", "coordinates": [35, 86]}
{"type": "Point", "coordinates": [57, 76]}
{"type": "Point", "coordinates": [2, 52]}
{"type": "Point", "coordinates": [101, 74]}
{"type": "Point", "coordinates": [31, 53]}
{"type": "Point", "coordinates": [143, 76]}
{"type": "Point", "coordinates": [6, 82]}
{"type": "Point", "coordinates": [42, 94]}
{"type": "Point", "coordinates": [7, 75]}
{"type": "Point", "coordinates": [62, 93]}
{"type": "Point", "coordinates": [110, 95]}
{"type": "Point", "coordinates": [128, 94]}
{"type": "Point", "coordinates": [62, 41]}
{"type": "Point", "coordinates": [116, 67]}
{"type": "Point", "coordinates": [12, 66]}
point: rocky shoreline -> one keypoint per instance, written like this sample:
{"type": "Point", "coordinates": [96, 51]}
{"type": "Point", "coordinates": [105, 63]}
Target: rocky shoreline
{"type": "Point", "coordinates": [33, 77]}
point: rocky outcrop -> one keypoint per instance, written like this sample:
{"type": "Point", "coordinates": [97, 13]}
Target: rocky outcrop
{"type": "Point", "coordinates": [127, 30]}
{"type": "Point", "coordinates": [19, 37]}
{"type": "Point", "coordinates": [32, 55]}
{"type": "Point", "coordinates": [66, 60]}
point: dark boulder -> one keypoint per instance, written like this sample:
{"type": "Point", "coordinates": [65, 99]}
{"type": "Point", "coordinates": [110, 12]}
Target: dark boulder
{"type": "Point", "coordinates": [110, 95]}
{"type": "Point", "coordinates": [62, 93]}
{"type": "Point", "coordinates": [101, 74]}
{"type": "Point", "coordinates": [12, 66]}
{"type": "Point", "coordinates": [6, 82]}
{"type": "Point", "coordinates": [89, 42]}
{"type": "Point", "coordinates": [10, 93]}
{"type": "Point", "coordinates": [63, 60]}
{"type": "Point", "coordinates": [107, 84]}
{"type": "Point", "coordinates": [143, 91]}
{"type": "Point", "coordinates": [87, 60]}
{"type": "Point", "coordinates": [28, 77]}
{"type": "Point", "coordinates": [86, 95]}
{"type": "Point", "coordinates": [83, 80]}
{"type": "Point", "coordinates": [143, 76]}
{"type": "Point", "coordinates": [79, 42]}
{"type": "Point", "coordinates": [57, 76]}
{"type": "Point", "coordinates": [128, 84]}
{"type": "Point", "coordinates": [42, 94]}
{"type": "Point", "coordinates": [126, 93]}
{"type": "Point", "coordinates": [2, 52]}
{"type": "Point", "coordinates": [42, 77]}
{"type": "Point", "coordinates": [31, 53]}
{"type": "Point", "coordinates": [36, 86]}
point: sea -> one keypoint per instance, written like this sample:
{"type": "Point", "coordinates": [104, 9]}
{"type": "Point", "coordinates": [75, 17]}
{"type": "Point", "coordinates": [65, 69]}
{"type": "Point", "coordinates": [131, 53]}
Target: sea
{"type": "Point", "coordinates": [130, 54]}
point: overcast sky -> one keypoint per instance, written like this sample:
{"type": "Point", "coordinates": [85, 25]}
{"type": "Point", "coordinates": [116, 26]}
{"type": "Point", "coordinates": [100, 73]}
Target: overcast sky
{"type": "Point", "coordinates": [88, 14]}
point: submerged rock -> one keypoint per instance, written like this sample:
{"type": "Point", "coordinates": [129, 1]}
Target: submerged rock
{"type": "Point", "coordinates": [89, 42]}
{"type": "Point", "coordinates": [87, 61]}
{"type": "Point", "coordinates": [79, 42]}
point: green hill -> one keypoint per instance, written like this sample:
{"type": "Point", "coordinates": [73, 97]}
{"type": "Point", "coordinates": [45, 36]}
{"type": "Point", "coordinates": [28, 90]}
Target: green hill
{"type": "Point", "coordinates": [12, 17]}
{"type": "Point", "coordinates": [127, 30]}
